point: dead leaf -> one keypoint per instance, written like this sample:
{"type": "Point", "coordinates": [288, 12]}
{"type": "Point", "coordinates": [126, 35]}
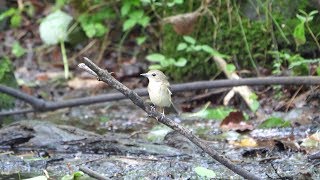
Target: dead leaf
{"type": "Point", "coordinates": [183, 24]}
{"type": "Point", "coordinates": [246, 142]}
{"type": "Point", "coordinates": [234, 121]}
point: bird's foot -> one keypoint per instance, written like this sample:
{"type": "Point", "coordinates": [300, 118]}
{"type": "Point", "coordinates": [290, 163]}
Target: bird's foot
{"type": "Point", "coordinates": [152, 108]}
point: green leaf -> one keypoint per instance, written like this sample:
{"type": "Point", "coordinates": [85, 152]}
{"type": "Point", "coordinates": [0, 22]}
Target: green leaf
{"type": "Point", "coordinates": [197, 47]}
{"type": "Point", "coordinates": [301, 18]}
{"type": "Point", "coordinates": [213, 52]}
{"type": "Point", "coordinates": [299, 34]}
{"type": "Point", "coordinates": [189, 39]}
{"type": "Point", "coordinates": [218, 113]}
{"type": "Point", "coordinates": [167, 62]}
{"type": "Point", "coordinates": [17, 50]}
{"type": "Point", "coordinates": [53, 28]}
{"type": "Point", "coordinates": [181, 62]}
{"type": "Point", "coordinates": [204, 172]}
{"type": "Point", "coordinates": [313, 12]}
{"type": "Point", "coordinates": [144, 21]}
{"type": "Point", "coordinates": [182, 46]}
{"type": "Point", "coordinates": [100, 30]}
{"type": "Point", "coordinates": [137, 15]}
{"type": "Point", "coordinates": [15, 20]}
{"type": "Point", "coordinates": [125, 8]}
{"type": "Point", "coordinates": [156, 57]}
{"type": "Point", "coordinates": [141, 40]}
{"type": "Point", "coordinates": [207, 49]}
{"type": "Point", "coordinates": [231, 68]}
{"type": "Point", "coordinates": [155, 66]}
{"type": "Point", "coordinates": [128, 24]}
{"type": "Point", "coordinates": [318, 70]}
{"type": "Point", "coordinates": [8, 13]}
{"type": "Point", "coordinates": [274, 122]}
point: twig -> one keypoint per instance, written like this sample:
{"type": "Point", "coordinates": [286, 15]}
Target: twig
{"type": "Point", "coordinates": [137, 100]}
{"type": "Point", "coordinates": [92, 173]}
{"type": "Point", "coordinates": [39, 105]}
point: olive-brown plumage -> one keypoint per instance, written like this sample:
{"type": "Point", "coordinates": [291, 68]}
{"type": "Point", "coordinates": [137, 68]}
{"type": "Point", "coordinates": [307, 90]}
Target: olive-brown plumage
{"type": "Point", "coordinates": [158, 89]}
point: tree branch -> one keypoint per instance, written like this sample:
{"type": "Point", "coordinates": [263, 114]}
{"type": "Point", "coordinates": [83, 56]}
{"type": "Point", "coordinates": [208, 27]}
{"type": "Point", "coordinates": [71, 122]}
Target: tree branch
{"type": "Point", "coordinates": [137, 100]}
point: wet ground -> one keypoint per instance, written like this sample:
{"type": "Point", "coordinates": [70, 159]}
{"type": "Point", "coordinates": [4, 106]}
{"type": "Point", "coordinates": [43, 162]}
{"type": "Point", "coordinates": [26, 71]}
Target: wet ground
{"type": "Point", "coordinates": [118, 140]}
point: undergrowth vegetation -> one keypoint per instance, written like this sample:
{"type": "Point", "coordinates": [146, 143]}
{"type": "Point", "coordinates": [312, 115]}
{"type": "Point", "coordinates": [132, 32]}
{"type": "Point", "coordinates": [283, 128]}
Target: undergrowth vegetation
{"type": "Point", "coordinates": [180, 37]}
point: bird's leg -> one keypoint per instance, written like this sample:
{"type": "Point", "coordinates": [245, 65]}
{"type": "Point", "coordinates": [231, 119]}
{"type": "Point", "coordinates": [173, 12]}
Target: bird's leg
{"type": "Point", "coordinates": [162, 114]}
{"type": "Point", "coordinates": [152, 108]}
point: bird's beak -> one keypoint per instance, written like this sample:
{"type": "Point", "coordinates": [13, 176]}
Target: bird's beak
{"type": "Point", "coordinates": [145, 74]}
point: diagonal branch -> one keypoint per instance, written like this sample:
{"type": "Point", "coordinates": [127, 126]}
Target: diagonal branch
{"type": "Point", "coordinates": [137, 100]}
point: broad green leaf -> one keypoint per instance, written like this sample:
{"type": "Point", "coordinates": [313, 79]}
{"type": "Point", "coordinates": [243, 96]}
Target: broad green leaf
{"type": "Point", "coordinates": [137, 15]}
{"type": "Point", "coordinates": [15, 20]}
{"type": "Point", "coordinates": [156, 57]}
{"type": "Point", "coordinates": [144, 21]}
{"type": "Point", "coordinates": [181, 62]}
{"type": "Point", "coordinates": [125, 8]}
{"type": "Point", "coordinates": [218, 113]}
{"type": "Point", "coordinates": [182, 46]}
{"type": "Point", "coordinates": [53, 28]}
{"type": "Point", "coordinates": [189, 39]}
{"type": "Point", "coordinates": [274, 122]}
{"type": "Point", "coordinates": [299, 34]}
{"type": "Point", "coordinates": [197, 47]}
{"type": "Point", "coordinates": [207, 49]}
{"type": "Point", "coordinates": [17, 50]}
{"type": "Point", "coordinates": [231, 68]}
{"type": "Point", "coordinates": [204, 172]}
{"type": "Point", "coordinates": [8, 13]}
{"type": "Point", "coordinates": [128, 24]}
{"type": "Point", "coordinates": [166, 62]}
{"type": "Point", "coordinates": [141, 40]}
{"type": "Point", "coordinates": [155, 66]}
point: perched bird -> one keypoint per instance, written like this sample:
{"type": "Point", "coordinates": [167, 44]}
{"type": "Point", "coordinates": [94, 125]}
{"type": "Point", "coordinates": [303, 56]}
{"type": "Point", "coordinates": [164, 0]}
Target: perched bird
{"type": "Point", "coordinates": [158, 89]}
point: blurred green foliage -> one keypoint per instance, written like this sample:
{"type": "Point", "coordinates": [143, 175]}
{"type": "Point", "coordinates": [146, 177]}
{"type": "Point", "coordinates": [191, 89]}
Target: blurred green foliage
{"type": "Point", "coordinates": [248, 34]}
{"type": "Point", "coordinates": [7, 78]}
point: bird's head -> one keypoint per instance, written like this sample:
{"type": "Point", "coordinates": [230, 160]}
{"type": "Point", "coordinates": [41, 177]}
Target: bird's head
{"type": "Point", "coordinates": [155, 75]}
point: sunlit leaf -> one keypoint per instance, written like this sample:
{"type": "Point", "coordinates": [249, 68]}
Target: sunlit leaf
{"type": "Point", "coordinates": [218, 113]}
{"type": "Point", "coordinates": [189, 39]}
{"type": "Point", "coordinates": [156, 57]}
{"type": "Point", "coordinates": [274, 122]}
{"type": "Point", "coordinates": [155, 66]}
{"type": "Point", "coordinates": [231, 68]}
{"type": "Point", "coordinates": [197, 47]}
{"type": "Point", "coordinates": [18, 50]}
{"type": "Point", "coordinates": [144, 21]}
{"type": "Point", "coordinates": [182, 46]}
{"type": "Point", "coordinates": [15, 20]}
{"type": "Point", "coordinates": [125, 8]}
{"type": "Point", "coordinates": [128, 24]}
{"type": "Point", "coordinates": [181, 62]}
{"type": "Point", "coordinates": [204, 172]}
{"type": "Point", "coordinates": [313, 12]}
{"type": "Point", "coordinates": [141, 40]}
{"type": "Point", "coordinates": [301, 18]}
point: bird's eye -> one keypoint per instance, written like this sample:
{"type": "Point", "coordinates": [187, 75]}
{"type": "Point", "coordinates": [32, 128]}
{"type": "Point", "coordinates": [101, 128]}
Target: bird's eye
{"type": "Point", "coordinates": [154, 74]}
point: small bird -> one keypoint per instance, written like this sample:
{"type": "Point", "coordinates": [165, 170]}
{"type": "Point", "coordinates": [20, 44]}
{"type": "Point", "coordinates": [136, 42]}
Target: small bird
{"type": "Point", "coordinates": [158, 89]}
